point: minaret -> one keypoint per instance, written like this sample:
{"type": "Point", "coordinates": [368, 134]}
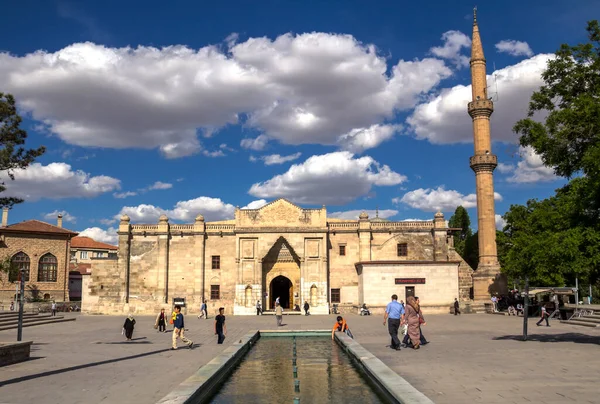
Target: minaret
{"type": "Point", "coordinates": [486, 279]}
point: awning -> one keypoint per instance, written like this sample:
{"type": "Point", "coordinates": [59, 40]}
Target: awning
{"type": "Point", "coordinates": [556, 291]}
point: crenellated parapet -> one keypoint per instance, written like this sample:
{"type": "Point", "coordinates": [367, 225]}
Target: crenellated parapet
{"type": "Point", "coordinates": [483, 163]}
{"type": "Point", "coordinates": [480, 108]}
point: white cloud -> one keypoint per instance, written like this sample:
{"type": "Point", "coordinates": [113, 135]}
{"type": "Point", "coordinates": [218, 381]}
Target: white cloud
{"type": "Point", "coordinates": [67, 217]}
{"type": "Point", "coordinates": [444, 118]}
{"type": "Point", "coordinates": [454, 42]}
{"type": "Point", "coordinates": [184, 211]}
{"type": "Point", "coordinates": [215, 153]}
{"type": "Point", "coordinates": [530, 169]}
{"type": "Point", "coordinates": [334, 178]}
{"type": "Point", "coordinates": [160, 185]}
{"type": "Point", "coordinates": [361, 139]}
{"type": "Point", "coordinates": [123, 195]}
{"type": "Point", "coordinates": [56, 181]}
{"type": "Point", "coordinates": [505, 168]}
{"type": "Point", "coordinates": [432, 200]}
{"type": "Point", "coordinates": [104, 236]}
{"type": "Point", "coordinates": [514, 48]}
{"type": "Point", "coordinates": [500, 222]}
{"type": "Point", "coordinates": [306, 88]}
{"type": "Point", "coordinates": [256, 204]}
{"type": "Point", "coordinates": [273, 159]}
{"type": "Point", "coordinates": [353, 214]}
{"type": "Point", "coordinates": [255, 144]}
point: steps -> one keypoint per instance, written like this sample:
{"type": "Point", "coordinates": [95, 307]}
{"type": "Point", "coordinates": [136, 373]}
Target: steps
{"type": "Point", "coordinates": [285, 313]}
{"type": "Point", "coordinates": [592, 320]}
{"type": "Point", "coordinates": [10, 320]}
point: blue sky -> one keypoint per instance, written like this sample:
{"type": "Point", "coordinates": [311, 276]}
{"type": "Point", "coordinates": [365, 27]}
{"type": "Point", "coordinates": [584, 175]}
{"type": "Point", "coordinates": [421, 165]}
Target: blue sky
{"type": "Point", "coordinates": [148, 107]}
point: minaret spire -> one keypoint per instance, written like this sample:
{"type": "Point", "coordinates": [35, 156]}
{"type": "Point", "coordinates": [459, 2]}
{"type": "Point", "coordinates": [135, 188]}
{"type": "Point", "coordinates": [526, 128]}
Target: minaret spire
{"type": "Point", "coordinates": [483, 164]}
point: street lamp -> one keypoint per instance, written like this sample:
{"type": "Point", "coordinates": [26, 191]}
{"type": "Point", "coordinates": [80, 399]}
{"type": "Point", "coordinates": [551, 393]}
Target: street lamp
{"type": "Point", "coordinates": [22, 303]}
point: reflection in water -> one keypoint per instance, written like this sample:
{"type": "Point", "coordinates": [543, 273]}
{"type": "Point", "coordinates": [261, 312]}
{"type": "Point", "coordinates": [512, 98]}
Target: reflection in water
{"type": "Point", "coordinates": [326, 375]}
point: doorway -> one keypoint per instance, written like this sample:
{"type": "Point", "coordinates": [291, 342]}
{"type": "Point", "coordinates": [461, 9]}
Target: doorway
{"type": "Point", "coordinates": [409, 291]}
{"type": "Point", "coordinates": [281, 287]}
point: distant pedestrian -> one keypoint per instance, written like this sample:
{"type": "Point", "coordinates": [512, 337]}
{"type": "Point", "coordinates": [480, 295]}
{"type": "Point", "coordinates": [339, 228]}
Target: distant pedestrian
{"type": "Point", "coordinates": [129, 326]}
{"type": "Point", "coordinates": [306, 308]}
{"type": "Point", "coordinates": [161, 321]}
{"type": "Point", "coordinates": [203, 310]}
{"type": "Point", "coordinates": [179, 329]}
{"type": "Point", "coordinates": [543, 316]}
{"type": "Point", "coordinates": [414, 318]}
{"type": "Point", "coordinates": [258, 308]}
{"type": "Point", "coordinates": [494, 304]}
{"type": "Point", "coordinates": [12, 306]}
{"type": "Point", "coordinates": [278, 314]}
{"type": "Point", "coordinates": [394, 315]}
{"type": "Point", "coordinates": [456, 307]}
{"type": "Point", "coordinates": [220, 327]}
{"type": "Point", "coordinates": [402, 303]}
{"type": "Point", "coordinates": [53, 307]}
{"type": "Point", "coordinates": [421, 322]}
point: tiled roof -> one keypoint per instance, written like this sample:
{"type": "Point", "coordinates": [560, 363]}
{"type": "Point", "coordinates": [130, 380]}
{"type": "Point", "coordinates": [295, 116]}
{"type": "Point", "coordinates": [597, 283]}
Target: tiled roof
{"type": "Point", "coordinates": [87, 242]}
{"type": "Point", "coordinates": [36, 226]}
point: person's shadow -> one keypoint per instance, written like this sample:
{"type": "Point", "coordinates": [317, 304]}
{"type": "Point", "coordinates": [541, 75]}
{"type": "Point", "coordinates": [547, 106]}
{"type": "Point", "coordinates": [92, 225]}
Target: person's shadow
{"type": "Point", "coordinates": [565, 337]}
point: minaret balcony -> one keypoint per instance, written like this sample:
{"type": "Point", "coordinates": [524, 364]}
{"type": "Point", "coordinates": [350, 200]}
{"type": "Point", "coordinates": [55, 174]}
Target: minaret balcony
{"type": "Point", "coordinates": [483, 162]}
{"type": "Point", "coordinates": [480, 108]}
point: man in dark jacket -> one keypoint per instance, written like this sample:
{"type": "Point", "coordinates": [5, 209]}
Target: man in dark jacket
{"type": "Point", "coordinates": [179, 329]}
{"type": "Point", "coordinates": [306, 307]}
{"type": "Point", "coordinates": [456, 307]}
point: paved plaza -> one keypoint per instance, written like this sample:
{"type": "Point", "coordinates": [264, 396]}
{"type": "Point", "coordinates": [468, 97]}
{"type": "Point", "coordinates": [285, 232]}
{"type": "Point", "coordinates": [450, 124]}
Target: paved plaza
{"type": "Point", "coordinates": [471, 358]}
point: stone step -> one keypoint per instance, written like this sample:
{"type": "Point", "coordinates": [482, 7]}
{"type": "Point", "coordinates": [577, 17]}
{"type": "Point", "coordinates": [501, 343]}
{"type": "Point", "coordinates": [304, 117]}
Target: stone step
{"type": "Point", "coordinates": [14, 327]}
{"type": "Point", "coordinates": [581, 323]}
{"type": "Point", "coordinates": [588, 319]}
{"type": "Point", "coordinates": [28, 320]}
{"type": "Point", "coordinates": [9, 314]}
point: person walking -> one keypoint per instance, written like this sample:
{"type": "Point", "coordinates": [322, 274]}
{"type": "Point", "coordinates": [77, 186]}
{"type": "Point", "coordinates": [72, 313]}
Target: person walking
{"type": "Point", "coordinates": [258, 308]}
{"type": "Point", "coordinates": [203, 310]}
{"type": "Point", "coordinates": [456, 307]}
{"type": "Point", "coordinates": [129, 326]}
{"type": "Point", "coordinates": [543, 316]}
{"type": "Point", "coordinates": [179, 329]}
{"type": "Point", "coordinates": [421, 322]}
{"type": "Point", "coordinates": [161, 321]}
{"type": "Point", "coordinates": [278, 314]}
{"type": "Point", "coordinates": [306, 308]}
{"type": "Point", "coordinates": [220, 327]}
{"type": "Point", "coordinates": [394, 315]}
{"type": "Point", "coordinates": [53, 307]}
{"type": "Point", "coordinates": [413, 318]}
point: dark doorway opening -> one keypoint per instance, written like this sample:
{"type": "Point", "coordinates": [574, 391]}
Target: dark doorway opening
{"type": "Point", "coordinates": [281, 287]}
{"type": "Point", "coordinates": [409, 291]}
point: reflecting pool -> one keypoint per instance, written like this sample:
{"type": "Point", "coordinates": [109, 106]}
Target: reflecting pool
{"type": "Point", "coordinates": [326, 374]}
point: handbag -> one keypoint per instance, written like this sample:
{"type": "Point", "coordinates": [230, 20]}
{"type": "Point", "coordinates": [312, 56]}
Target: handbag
{"type": "Point", "coordinates": [421, 321]}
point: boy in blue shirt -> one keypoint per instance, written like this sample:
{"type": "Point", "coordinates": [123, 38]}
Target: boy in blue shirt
{"type": "Point", "coordinates": [179, 329]}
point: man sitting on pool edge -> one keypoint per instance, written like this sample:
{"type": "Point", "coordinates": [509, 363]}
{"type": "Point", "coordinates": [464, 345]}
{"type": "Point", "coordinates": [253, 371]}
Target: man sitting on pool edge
{"type": "Point", "coordinates": [341, 326]}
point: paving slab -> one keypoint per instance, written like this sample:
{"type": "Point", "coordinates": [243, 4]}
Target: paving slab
{"type": "Point", "coordinates": [471, 358]}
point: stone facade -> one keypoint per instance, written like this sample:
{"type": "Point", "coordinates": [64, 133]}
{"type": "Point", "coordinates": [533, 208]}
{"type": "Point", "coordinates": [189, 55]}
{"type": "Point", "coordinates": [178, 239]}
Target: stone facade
{"type": "Point", "coordinates": [280, 250]}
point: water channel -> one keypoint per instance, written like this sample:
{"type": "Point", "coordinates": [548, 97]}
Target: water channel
{"type": "Point", "coordinates": [324, 372]}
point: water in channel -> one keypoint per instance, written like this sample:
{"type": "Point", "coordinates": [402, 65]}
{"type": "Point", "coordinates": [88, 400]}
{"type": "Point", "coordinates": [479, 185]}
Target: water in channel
{"type": "Point", "coordinates": [325, 372]}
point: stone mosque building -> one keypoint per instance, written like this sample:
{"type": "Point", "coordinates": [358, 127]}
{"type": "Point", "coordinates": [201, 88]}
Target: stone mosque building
{"type": "Point", "coordinates": [297, 254]}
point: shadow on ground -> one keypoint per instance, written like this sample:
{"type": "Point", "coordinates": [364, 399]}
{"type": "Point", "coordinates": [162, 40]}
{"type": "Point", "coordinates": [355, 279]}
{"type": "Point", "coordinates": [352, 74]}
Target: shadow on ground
{"type": "Point", "coordinates": [566, 337]}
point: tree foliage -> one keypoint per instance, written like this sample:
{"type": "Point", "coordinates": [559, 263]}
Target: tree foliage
{"type": "Point", "coordinates": [460, 220]}
{"type": "Point", "coordinates": [12, 138]}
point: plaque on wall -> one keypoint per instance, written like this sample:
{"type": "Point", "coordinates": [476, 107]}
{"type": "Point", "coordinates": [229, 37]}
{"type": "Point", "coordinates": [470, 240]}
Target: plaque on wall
{"type": "Point", "coordinates": [410, 281]}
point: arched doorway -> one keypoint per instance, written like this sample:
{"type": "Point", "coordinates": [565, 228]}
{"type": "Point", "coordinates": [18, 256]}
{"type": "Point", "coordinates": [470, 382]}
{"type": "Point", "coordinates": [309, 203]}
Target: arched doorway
{"type": "Point", "coordinates": [283, 288]}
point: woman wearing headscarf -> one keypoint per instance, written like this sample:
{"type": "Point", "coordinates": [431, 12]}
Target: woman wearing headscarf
{"type": "Point", "coordinates": [413, 316]}
{"type": "Point", "coordinates": [128, 327]}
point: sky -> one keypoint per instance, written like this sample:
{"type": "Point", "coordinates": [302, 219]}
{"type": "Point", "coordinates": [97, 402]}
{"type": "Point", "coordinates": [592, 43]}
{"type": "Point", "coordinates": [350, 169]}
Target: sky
{"type": "Point", "coordinates": [150, 108]}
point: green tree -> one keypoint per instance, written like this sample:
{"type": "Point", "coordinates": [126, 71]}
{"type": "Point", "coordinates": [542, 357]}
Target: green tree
{"type": "Point", "coordinates": [12, 138]}
{"type": "Point", "coordinates": [460, 220]}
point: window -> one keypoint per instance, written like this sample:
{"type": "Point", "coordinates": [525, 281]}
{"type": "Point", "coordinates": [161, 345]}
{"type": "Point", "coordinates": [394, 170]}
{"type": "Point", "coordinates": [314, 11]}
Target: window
{"type": "Point", "coordinates": [216, 262]}
{"type": "Point", "coordinates": [100, 255]}
{"type": "Point", "coordinates": [342, 250]}
{"type": "Point", "coordinates": [215, 292]}
{"type": "Point", "coordinates": [335, 296]}
{"type": "Point", "coordinates": [402, 250]}
{"type": "Point", "coordinates": [73, 255]}
{"type": "Point", "coordinates": [47, 268]}
{"type": "Point", "coordinates": [19, 261]}
{"type": "Point", "coordinates": [83, 255]}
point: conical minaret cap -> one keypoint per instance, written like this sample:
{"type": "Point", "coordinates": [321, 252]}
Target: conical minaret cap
{"type": "Point", "coordinates": [476, 46]}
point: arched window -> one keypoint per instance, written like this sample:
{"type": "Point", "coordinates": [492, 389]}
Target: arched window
{"type": "Point", "coordinates": [47, 268]}
{"type": "Point", "coordinates": [20, 261]}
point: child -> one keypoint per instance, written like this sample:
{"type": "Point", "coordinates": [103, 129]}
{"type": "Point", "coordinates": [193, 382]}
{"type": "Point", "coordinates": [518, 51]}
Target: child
{"type": "Point", "coordinates": [178, 330]}
{"type": "Point", "coordinates": [341, 325]}
{"type": "Point", "coordinates": [220, 327]}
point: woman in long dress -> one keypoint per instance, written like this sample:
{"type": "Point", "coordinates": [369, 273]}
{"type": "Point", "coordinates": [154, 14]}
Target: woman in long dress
{"type": "Point", "coordinates": [128, 327]}
{"type": "Point", "coordinates": [413, 312]}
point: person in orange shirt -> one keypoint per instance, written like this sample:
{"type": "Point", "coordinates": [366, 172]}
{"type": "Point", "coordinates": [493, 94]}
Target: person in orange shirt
{"type": "Point", "coordinates": [341, 325]}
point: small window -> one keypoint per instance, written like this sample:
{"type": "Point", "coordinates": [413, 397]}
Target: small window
{"type": "Point", "coordinates": [215, 292]}
{"type": "Point", "coordinates": [19, 261]}
{"type": "Point", "coordinates": [47, 268]}
{"type": "Point", "coordinates": [402, 250]}
{"type": "Point", "coordinates": [342, 250]}
{"type": "Point", "coordinates": [100, 255]}
{"type": "Point", "coordinates": [216, 262]}
{"type": "Point", "coordinates": [83, 255]}
{"type": "Point", "coordinates": [335, 296]}
{"type": "Point", "coordinates": [73, 255]}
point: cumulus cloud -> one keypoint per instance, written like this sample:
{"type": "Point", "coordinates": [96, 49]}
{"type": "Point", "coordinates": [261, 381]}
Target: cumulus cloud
{"type": "Point", "coordinates": [123, 195]}
{"type": "Point", "coordinates": [273, 159]}
{"type": "Point", "coordinates": [160, 185]}
{"type": "Point", "coordinates": [432, 200]}
{"type": "Point", "coordinates": [184, 211]}
{"type": "Point", "coordinates": [305, 88]}
{"type": "Point", "coordinates": [500, 222]}
{"type": "Point", "coordinates": [530, 169]}
{"type": "Point", "coordinates": [256, 204]}
{"type": "Point", "coordinates": [258, 143]}
{"type": "Point", "coordinates": [56, 181]}
{"type": "Point", "coordinates": [514, 48]}
{"type": "Point", "coordinates": [444, 118]}
{"type": "Point", "coordinates": [334, 178]}
{"type": "Point", "coordinates": [454, 42]}
{"type": "Point", "coordinates": [53, 216]}
{"type": "Point", "coordinates": [104, 236]}
{"type": "Point", "coordinates": [361, 139]}
{"type": "Point", "coordinates": [353, 214]}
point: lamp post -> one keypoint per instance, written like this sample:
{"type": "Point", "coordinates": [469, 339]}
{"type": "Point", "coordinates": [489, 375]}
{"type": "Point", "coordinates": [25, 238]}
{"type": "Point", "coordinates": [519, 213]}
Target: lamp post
{"type": "Point", "coordinates": [526, 308]}
{"type": "Point", "coordinates": [22, 303]}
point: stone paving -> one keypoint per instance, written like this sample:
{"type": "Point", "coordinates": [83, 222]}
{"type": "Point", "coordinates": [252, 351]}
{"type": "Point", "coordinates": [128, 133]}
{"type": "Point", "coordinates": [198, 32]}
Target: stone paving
{"type": "Point", "coordinates": [471, 358]}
